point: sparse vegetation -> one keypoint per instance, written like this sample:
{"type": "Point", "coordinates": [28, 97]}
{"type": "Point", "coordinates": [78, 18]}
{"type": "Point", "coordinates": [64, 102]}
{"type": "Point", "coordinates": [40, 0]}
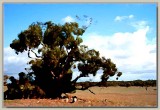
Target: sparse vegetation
{"type": "Point", "coordinates": [138, 83]}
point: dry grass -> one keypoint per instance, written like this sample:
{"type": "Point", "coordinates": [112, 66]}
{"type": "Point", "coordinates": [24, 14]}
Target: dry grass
{"type": "Point", "coordinates": [104, 97]}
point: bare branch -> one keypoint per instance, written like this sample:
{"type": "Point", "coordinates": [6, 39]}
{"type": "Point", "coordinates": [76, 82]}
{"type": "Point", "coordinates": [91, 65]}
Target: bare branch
{"type": "Point", "coordinates": [91, 91]}
{"type": "Point", "coordinates": [75, 80]}
{"type": "Point", "coordinates": [29, 54]}
{"type": "Point", "coordinates": [36, 54]}
{"type": "Point", "coordinates": [86, 88]}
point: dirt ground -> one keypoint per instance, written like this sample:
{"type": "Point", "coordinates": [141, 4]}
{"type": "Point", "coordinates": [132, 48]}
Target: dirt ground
{"type": "Point", "coordinates": [103, 97]}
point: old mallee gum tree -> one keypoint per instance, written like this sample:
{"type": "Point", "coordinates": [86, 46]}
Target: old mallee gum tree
{"type": "Point", "coordinates": [57, 51]}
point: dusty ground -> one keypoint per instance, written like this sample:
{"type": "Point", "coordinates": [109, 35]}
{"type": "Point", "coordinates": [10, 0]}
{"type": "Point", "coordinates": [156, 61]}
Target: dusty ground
{"type": "Point", "coordinates": [104, 97]}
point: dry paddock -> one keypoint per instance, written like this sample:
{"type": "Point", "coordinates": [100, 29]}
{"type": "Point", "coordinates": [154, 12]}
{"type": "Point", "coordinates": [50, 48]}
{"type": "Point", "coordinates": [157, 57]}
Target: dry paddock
{"type": "Point", "coordinates": [103, 97]}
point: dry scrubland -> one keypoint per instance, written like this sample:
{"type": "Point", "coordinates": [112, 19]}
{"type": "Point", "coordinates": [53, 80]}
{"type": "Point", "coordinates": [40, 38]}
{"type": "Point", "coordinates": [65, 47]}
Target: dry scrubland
{"type": "Point", "coordinates": [104, 97]}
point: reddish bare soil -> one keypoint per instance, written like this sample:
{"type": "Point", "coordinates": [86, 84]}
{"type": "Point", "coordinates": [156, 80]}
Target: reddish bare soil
{"type": "Point", "coordinates": [104, 97]}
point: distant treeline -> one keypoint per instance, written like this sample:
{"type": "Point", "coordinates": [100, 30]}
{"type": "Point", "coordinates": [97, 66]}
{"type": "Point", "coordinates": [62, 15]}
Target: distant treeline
{"type": "Point", "coordinates": [140, 83]}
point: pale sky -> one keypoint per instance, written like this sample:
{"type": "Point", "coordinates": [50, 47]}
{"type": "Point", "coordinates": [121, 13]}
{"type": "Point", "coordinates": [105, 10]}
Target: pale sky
{"type": "Point", "coordinates": [126, 33]}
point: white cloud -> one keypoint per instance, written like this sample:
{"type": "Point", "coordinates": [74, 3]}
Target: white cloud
{"type": "Point", "coordinates": [131, 16]}
{"type": "Point", "coordinates": [120, 18]}
{"type": "Point", "coordinates": [91, 78]}
{"type": "Point", "coordinates": [13, 63]}
{"type": "Point", "coordinates": [131, 52]}
{"type": "Point", "coordinates": [68, 19]}
{"type": "Point", "coordinates": [139, 24]}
